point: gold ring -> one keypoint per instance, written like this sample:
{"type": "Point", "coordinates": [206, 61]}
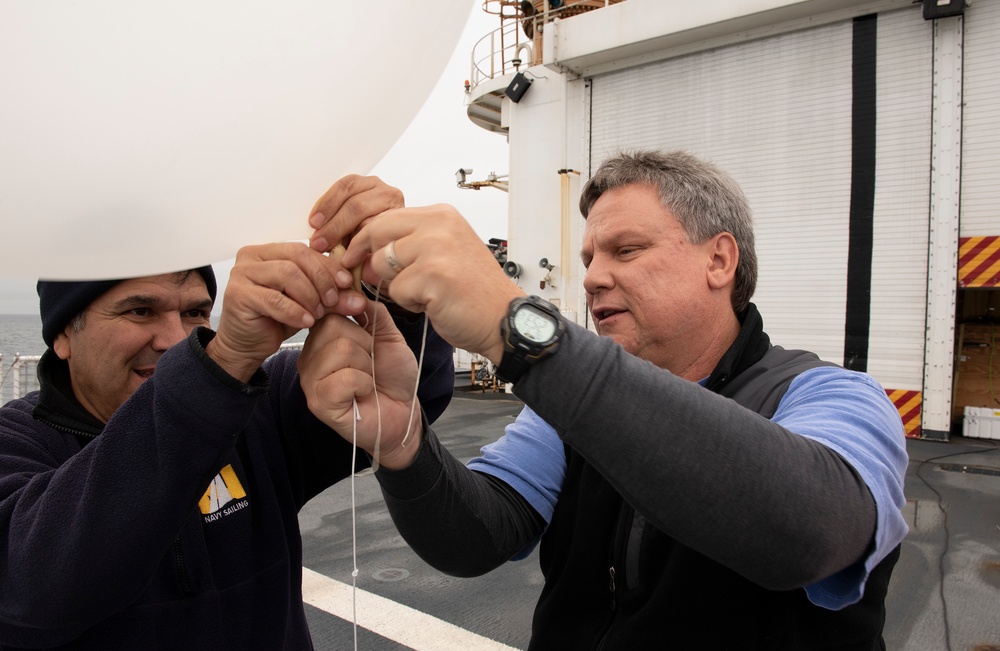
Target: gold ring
{"type": "Point", "coordinates": [390, 257]}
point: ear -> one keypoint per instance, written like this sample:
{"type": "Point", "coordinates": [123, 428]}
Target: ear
{"type": "Point", "coordinates": [61, 344]}
{"type": "Point", "coordinates": [724, 256]}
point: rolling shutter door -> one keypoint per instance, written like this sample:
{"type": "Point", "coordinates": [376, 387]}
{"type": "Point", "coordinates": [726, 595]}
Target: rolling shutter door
{"type": "Point", "coordinates": [981, 121]}
{"type": "Point", "coordinates": [776, 113]}
{"type": "Point", "coordinates": [902, 196]}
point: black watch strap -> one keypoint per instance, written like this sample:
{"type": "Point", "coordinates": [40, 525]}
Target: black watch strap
{"type": "Point", "coordinates": [511, 366]}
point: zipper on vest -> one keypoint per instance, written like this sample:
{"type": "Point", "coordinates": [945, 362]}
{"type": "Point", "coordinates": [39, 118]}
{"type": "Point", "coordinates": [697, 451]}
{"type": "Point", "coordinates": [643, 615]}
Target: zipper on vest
{"type": "Point", "coordinates": [617, 554]}
{"type": "Point", "coordinates": [602, 639]}
{"type": "Point", "coordinates": [627, 547]}
{"type": "Point", "coordinates": [611, 571]}
{"type": "Point", "coordinates": [181, 570]}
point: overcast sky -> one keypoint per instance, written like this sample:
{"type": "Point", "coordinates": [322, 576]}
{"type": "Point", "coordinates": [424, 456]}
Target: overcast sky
{"type": "Point", "coordinates": [423, 162]}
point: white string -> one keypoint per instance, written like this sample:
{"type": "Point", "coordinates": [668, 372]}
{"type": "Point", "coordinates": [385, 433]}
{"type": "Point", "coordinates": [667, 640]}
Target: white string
{"type": "Point", "coordinates": [354, 525]}
{"type": "Point", "coordinates": [420, 366]}
{"type": "Point", "coordinates": [375, 452]}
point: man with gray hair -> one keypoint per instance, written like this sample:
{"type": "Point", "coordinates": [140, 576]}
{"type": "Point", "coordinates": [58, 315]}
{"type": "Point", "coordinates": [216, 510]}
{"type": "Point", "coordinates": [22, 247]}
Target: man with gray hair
{"type": "Point", "coordinates": [691, 485]}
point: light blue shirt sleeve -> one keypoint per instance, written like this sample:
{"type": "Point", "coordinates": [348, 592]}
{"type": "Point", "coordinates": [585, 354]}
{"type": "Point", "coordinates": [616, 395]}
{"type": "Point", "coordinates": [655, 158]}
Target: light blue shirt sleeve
{"type": "Point", "coordinates": [850, 413]}
{"type": "Point", "coordinates": [530, 458]}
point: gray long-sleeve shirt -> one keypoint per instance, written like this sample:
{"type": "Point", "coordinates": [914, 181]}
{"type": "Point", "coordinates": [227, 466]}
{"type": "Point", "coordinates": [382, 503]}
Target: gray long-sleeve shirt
{"type": "Point", "coordinates": [784, 502]}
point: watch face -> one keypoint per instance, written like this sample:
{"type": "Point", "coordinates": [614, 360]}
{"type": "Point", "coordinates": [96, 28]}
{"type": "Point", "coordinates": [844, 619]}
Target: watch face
{"type": "Point", "coordinates": [533, 324]}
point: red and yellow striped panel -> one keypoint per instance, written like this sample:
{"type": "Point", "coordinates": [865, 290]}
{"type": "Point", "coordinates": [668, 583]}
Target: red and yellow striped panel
{"type": "Point", "coordinates": [908, 403]}
{"type": "Point", "coordinates": [979, 262]}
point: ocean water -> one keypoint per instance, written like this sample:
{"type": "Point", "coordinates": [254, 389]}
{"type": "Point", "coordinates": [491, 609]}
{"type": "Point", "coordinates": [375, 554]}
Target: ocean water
{"type": "Point", "coordinates": [20, 334]}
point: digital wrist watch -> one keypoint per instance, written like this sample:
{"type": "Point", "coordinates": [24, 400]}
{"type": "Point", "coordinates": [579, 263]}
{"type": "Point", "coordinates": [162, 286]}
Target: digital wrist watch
{"type": "Point", "coordinates": [531, 331]}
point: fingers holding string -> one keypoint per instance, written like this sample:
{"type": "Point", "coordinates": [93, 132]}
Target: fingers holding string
{"type": "Point", "coordinates": [350, 203]}
{"type": "Point", "coordinates": [376, 235]}
{"type": "Point", "coordinates": [411, 230]}
{"type": "Point", "coordinates": [285, 282]}
{"type": "Point", "coordinates": [336, 343]}
{"type": "Point", "coordinates": [293, 284]}
{"type": "Point", "coordinates": [337, 254]}
{"type": "Point", "coordinates": [385, 264]}
{"type": "Point", "coordinates": [391, 245]}
{"type": "Point", "coordinates": [335, 370]}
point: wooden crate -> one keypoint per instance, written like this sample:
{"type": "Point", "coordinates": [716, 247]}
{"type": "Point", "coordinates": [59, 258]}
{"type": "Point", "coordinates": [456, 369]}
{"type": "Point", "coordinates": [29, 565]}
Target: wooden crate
{"type": "Point", "coordinates": [977, 369]}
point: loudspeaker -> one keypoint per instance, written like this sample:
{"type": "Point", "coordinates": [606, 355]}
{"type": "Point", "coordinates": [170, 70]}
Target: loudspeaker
{"type": "Point", "coordinates": [518, 87]}
{"type": "Point", "coordinates": [943, 8]}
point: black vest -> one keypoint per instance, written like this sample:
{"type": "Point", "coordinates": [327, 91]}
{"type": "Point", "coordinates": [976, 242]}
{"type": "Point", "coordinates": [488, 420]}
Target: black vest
{"type": "Point", "coordinates": [613, 581]}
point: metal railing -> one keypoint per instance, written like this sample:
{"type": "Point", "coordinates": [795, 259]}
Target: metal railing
{"type": "Point", "coordinates": [518, 40]}
{"type": "Point", "coordinates": [499, 53]}
{"type": "Point", "coordinates": [20, 378]}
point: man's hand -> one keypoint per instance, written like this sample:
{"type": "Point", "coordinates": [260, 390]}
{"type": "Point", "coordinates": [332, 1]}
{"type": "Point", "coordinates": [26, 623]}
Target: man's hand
{"type": "Point", "coordinates": [274, 291]}
{"type": "Point", "coordinates": [348, 205]}
{"type": "Point", "coordinates": [439, 266]}
{"type": "Point", "coordinates": [336, 369]}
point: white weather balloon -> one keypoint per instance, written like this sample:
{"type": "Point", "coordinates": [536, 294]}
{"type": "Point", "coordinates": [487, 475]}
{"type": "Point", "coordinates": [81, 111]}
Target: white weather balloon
{"type": "Point", "coordinates": [140, 137]}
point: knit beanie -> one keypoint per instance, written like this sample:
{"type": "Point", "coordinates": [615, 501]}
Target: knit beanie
{"type": "Point", "coordinates": [60, 301]}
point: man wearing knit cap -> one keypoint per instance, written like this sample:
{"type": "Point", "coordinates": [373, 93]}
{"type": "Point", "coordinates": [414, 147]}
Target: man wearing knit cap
{"type": "Point", "coordinates": [118, 311]}
{"type": "Point", "coordinates": [149, 491]}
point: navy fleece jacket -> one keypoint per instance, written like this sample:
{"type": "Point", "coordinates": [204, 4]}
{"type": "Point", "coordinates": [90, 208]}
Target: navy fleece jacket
{"type": "Point", "coordinates": [111, 541]}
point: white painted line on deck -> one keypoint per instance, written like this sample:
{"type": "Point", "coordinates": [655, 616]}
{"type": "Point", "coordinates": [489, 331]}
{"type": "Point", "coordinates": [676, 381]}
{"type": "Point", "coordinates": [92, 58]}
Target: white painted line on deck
{"type": "Point", "coordinates": [389, 619]}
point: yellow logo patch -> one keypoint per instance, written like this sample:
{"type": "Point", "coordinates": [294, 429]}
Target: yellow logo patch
{"type": "Point", "coordinates": [225, 488]}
